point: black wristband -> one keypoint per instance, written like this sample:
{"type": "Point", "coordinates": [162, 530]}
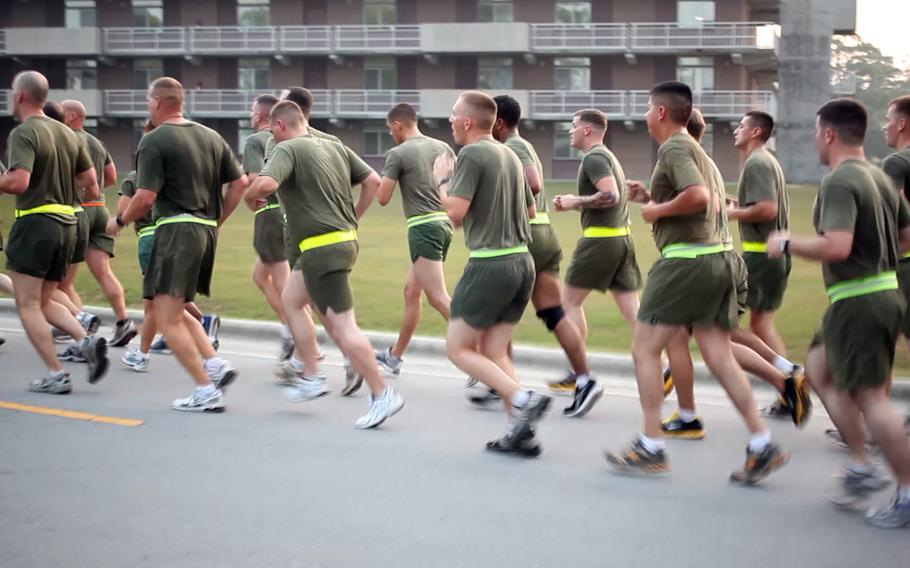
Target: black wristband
{"type": "Point", "coordinates": [119, 220]}
{"type": "Point", "coordinates": [786, 247]}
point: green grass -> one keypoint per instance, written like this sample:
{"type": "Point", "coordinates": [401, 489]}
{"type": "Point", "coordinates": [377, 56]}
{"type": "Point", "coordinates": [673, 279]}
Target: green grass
{"type": "Point", "coordinates": [380, 272]}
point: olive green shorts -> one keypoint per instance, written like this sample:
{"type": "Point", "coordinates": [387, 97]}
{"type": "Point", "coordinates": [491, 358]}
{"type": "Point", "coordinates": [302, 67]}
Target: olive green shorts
{"type": "Point", "coordinates": [740, 280]}
{"type": "Point", "coordinates": [97, 230]}
{"type": "Point", "coordinates": [182, 261]}
{"type": "Point", "coordinates": [291, 250]}
{"type": "Point", "coordinates": [604, 264]}
{"type": "Point", "coordinates": [545, 249]}
{"type": "Point", "coordinates": [698, 292]}
{"type": "Point", "coordinates": [494, 290]}
{"type": "Point", "coordinates": [767, 280]}
{"type": "Point", "coordinates": [144, 247]}
{"type": "Point", "coordinates": [82, 231]}
{"type": "Point", "coordinates": [430, 240]}
{"type": "Point", "coordinates": [40, 246]}
{"type": "Point", "coordinates": [859, 336]}
{"type": "Point", "coordinates": [326, 273]}
{"type": "Point", "coordinates": [268, 236]}
{"type": "Point", "coordinates": [903, 278]}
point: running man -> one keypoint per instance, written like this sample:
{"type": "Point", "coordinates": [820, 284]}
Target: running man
{"type": "Point", "coordinates": [410, 165]}
{"type": "Point", "coordinates": [487, 194]}
{"type": "Point", "coordinates": [46, 164]}
{"type": "Point", "coordinates": [314, 178]}
{"type": "Point", "coordinates": [691, 285]}
{"type": "Point", "coordinates": [862, 227]}
{"type": "Point", "coordinates": [181, 167]}
{"type": "Point", "coordinates": [271, 270]}
{"type": "Point", "coordinates": [547, 255]}
{"type": "Point", "coordinates": [897, 166]}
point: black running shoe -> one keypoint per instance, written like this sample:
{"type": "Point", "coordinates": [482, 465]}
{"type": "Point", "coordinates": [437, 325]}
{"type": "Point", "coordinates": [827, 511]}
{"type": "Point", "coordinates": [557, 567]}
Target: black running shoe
{"type": "Point", "coordinates": [778, 409]}
{"type": "Point", "coordinates": [519, 440]}
{"type": "Point", "coordinates": [797, 399]}
{"type": "Point", "coordinates": [676, 427]}
{"type": "Point", "coordinates": [637, 459]}
{"type": "Point", "coordinates": [123, 334]}
{"type": "Point", "coordinates": [585, 399]}
{"type": "Point", "coordinates": [485, 399]}
{"type": "Point", "coordinates": [565, 385]}
{"type": "Point", "coordinates": [760, 465]}
{"type": "Point", "coordinates": [94, 349]}
{"type": "Point", "coordinates": [668, 382]}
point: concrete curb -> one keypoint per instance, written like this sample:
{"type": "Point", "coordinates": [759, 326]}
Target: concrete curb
{"type": "Point", "coordinates": [525, 355]}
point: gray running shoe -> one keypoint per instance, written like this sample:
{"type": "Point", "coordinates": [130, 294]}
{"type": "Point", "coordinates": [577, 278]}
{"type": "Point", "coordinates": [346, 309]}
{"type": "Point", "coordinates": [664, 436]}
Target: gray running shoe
{"type": "Point", "coordinates": [894, 516]}
{"type": "Point", "coordinates": [223, 376]}
{"type": "Point", "coordinates": [382, 408]}
{"type": "Point", "coordinates": [160, 347]}
{"type": "Point", "coordinates": [199, 402]}
{"type": "Point", "coordinates": [94, 349]}
{"type": "Point", "coordinates": [352, 379]}
{"type": "Point", "coordinates": [72, 353]}
{"type": "Point", "coordinates": [533, 410]}
{"type": "Point", "coordinates": [90, 323]}
{"type": "Point", "coordinates": [287, 348]}
{"type": "Point", "coordinates": [52, 385]}
{"type": "Point", "coordinates": [854, 487]}
{"type": "Point", "coordinates": [136, 361]}
{"type": "Point", "coordinates": [60, 336]}
{"type": "Point", "coordinates": [389, 362]}
{"type": "Point", "coordinates": [303, 389]}
{"type": "Point", "coordinates": [486, 399]}
{"type": "Point", "coordinates": [123, 334]}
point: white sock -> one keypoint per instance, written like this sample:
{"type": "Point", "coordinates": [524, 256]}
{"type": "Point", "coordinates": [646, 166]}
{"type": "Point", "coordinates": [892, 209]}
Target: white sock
{"type": "Point", "coordinates": [653, 445]}
{"type": "Point", "coordinates": [141, 354]}
{"type": "Point", "coordinates": [582, 380]}
{"type": "Point", "coordinates": [213, 363]}
{"type": "Point", "coordinates": [207, 390]}
{"type": "Point", "coordinates": [760, 441]}
{"type": "Point", "coordinates": [297, 364]}
{"type": "Point", "coordinates": [285, 331]}
{"type": "Point", "coordinates": [521, 398]}
{"type": "Point", "coordinates": [56, 374]}
{"type": "Point", "coordinates": [903, 493]}
{"type": "Point", "coordinates": [782, 365]}
{"type": "Point", "coordinates": [686, 415]}
{"type": "Point", "coordinates": [81, 316]}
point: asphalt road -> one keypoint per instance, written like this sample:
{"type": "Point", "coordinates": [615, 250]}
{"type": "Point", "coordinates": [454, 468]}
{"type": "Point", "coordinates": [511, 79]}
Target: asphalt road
{"type": "Point", "coordinates": [273, 483]}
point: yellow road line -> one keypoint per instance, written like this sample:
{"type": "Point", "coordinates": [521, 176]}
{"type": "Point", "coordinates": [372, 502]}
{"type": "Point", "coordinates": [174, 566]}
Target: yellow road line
{"type": "Point", "coordinates": [71, 414]}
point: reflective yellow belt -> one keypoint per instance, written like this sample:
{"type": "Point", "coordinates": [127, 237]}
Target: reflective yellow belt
{"type": "Point", "coordinates": [78, 209]}
{"type": "Point", "coordinates": [54, 208]}
{"type": "Point", "coordinates": [268, 207]}
{"type": "Point", "coordinates": [94, 204]}
{"type": "Point", "coordinates": [687, 250]}
{"type": "Point", "coordinates": [754, 246]}
{"type": "Point", "coordinates": [605, 232]}
{"type": "Point", "coordinates": [186, 218]}
{"type": "Point", "coordinates": [880, 282]}
{"type": "Point", "coordinates": [327, 239]}
{"type": "Point", "coordinates": [494, 253]}
{"type": "Point", "coordinates": [146, 231]}
{"type": "Point", "coordinates": [906, 254]}
{"type": "Point", "coordinates": [434, 217]}
{"type": "Point", "coordinates": [541, 219]}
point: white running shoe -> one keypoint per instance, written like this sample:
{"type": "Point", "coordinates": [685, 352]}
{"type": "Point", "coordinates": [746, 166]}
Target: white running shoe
{"type": "Point", "coordinates": [136, 361]}
{"type": "Point", "coordinates": [382, 408]}
{"type": "Point", "coordinates": [223, 375]}
{"type": "Point", "coordinates": [199, 402]}
{"type": "Point", "coordinates": [303, 390]}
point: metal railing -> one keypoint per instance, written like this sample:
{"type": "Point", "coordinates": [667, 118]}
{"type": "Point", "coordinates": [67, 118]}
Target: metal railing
{"type": "Point", "coordinates": [714, 35]}
{"type": "Point", "coordinates": [6, 108]}
{"type": "Point", "coordinates": [372, 103]}
{"type": "Point", "coordinates": [305, 39]}
{"type": "Point", "coordinates": [2, 41]}
{"type": "Point", "coordinates": [360, 39]}
{"type": "Point", "coordinates": [578, 37]}
{"type": "Point", "coordinates": [712, 104]}
{"type": "Point", "coordinates": [561, 104]}
{"type": "Point", "coordinates": [149, 41]}
{"type": "Point", "coordinates": [233, 39]}
{"type": "Point", "coordinates": [204, 103]}
{"type": "Point", "coordinates": [125, 103]}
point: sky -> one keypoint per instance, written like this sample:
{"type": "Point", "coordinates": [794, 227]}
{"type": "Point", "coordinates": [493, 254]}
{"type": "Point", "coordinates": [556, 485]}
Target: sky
{"type": "Point", "coordinates": [884, 23]}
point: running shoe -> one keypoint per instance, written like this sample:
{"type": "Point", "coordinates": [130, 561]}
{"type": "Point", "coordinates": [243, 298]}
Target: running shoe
{"type": "Point", "coordinates": [160, 347]}
{"type": "Point", "coordinates": [90, 322]}
{"type": "Point", "coordinates": [676, 427]}
{"type": "Point", "coordinates": [381, 409]}
{"type": "Point", "coordinates": [389, 362]}
{"type": "Point", "coordinates": [520, 441]}
{"type": "Point", "coordinates": [352, 379]}
{"type": "Point", "coordinates": [60, 336]}
{"type": "Point", "coordinates": [2, 338]}
{"type": "Point", "coordinates": [779, 409]}
{"type": "Point", "coordinates": [47, 384]}
{"type": "Point", "coordinates": [894, 516]}
{"type": "Point", "coordinates": [856, 487]}
{"type": "Point", "coordinates": [212, 325]}
{"type": "Point", "coordinates": [287, 349]}
{"type": "Point", "coordinates": [123, 333]}
{"type": "Point", "coordinates": [760, 465]}
{"type": "Point", "coordinates": [200, 402]}
{"type": "Point", "coordinates": [136, 360]}
{"type": "Point", "coordinates": [223, 375]}
{"type": "Point", "coordinates": [303, 389]}
{"type": "Point", "coordinates": [566, 385]}
{"type": "Point", "coordinates": [584, 399]}
{"type": "Point", "coordinates": [533, 410]}
{"type": "Point", "coordinates": [637, 459]}
{"type": "Point", "coordinates": [485, 399]}
{"type": "Point", "coordinates": [797, 399]}
{"type": "Point", "coordinates": [94, 349]}
{"type": "Point", "coordinates": [668, 382]}
{"type": "Point", "coordinates": [72, 353]}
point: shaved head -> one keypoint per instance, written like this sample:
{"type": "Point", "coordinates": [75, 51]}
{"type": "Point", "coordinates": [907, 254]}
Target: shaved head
{"type": "Point", "coordinates": [168, 90]}
{"type": "Point", "coordinates": [31, 84]}
{"type": "Point", "coordinates": [480, 107]}
{"type": "Point", "coordinates": [75, 107]}
{"type": "Point", "coordinates": [287, 112]}
{"type": "Point", "coordinates": [53, 110]}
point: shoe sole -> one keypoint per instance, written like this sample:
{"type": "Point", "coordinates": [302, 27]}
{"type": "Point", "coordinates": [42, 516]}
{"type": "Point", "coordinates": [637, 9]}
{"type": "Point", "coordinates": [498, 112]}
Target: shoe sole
{"type": "Point", "coordinates": [541, 410]}
{"type": "Point", "coordinates": [378, 424]}
{"type": "Point", "coordinates": [214, 410]}
{"type": "Point", "coordinates": [41, 391]}
{"type": "Point", "coordinates": [318, 396]}
{"type": "Point", "coordinates": [532, 452]}
{"type": "Point", "coordinates": [587, 405]}
{"type": "Point", "coordinates": [99, 368]}
{"type": "Point", "coordinates": [135, 368]}
{"type": "Point", "coordinates": [561, 390]}
{"type": "Point", "coordinates": [619, 466]}
{"type": "Point", "coordinates": [744, 478]}
{"type": "Point", "coordinates": [229, 377]}
{"type": "Point", "coordinates": [685, 435]}
{"type": "Point", "coordinates": [668, 387]}
{"type": "Point", "coordinates": [125, 340]}
{"type": "Point", "coordinates": [354, 387]}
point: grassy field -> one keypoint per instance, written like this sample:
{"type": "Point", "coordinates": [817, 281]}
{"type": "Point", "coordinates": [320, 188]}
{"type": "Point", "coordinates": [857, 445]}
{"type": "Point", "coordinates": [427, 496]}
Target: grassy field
{"type": "Point", "coordinates": [383, 263]}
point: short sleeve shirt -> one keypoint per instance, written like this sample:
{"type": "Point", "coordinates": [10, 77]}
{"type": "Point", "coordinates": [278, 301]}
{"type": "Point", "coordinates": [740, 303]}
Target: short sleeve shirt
{"type": "Point", "coordinates": [490, 176]}
{"type": "Point", "coordinates": [762, 179]}
{"type": "Point", "coordinates": [254, 155]}
{"type": "Point", "coordinates": [99, 156]}
{"type": "Point", "coordinates": [128, 189]}
{"type": "Point", "coordinates": [897, 166]}
{"type": "Point", "coordinates": [411, 165]}
{"type": "Point", "coordinates": [529, 158]}
{"type": "Point", "coordinates": [270, 143]}
{"type": "Point", "coordinates": [597, 163]}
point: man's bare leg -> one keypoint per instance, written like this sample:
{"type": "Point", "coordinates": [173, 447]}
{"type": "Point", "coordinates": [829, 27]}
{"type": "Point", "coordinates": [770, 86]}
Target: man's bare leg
{"type": "Point", "coordinates": [546, 295]}
{"type": "Point", "coordinates": [628, 304]}
{"type": "Point", "coordinates": [424, 276]}
{"type": "Point", "coordinates": [68, 287]}
{"type": "Point", "coordinates": [573, 300]}
{"type": "Point", "coordinates": [295, 300]}
{"type": "Point", "coordinates": [29, 292]}
{"type": "Point", "coordinates": [413, 310]}
{"type": "Point", "coordinates": [762, 324]}
{"type": "Point", "coordinates": [99, 263]}
{"type": "Point", "coordinates": [169, 315]}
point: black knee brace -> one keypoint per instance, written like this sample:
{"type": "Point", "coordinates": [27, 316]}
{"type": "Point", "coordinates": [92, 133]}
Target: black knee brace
{"type": "Point", "coordinates": [551, 316]}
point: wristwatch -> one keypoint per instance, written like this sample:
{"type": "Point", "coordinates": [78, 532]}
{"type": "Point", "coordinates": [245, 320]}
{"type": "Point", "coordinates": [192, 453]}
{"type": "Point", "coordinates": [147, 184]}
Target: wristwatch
{"type": "Point", "coordinates": [119, 220]}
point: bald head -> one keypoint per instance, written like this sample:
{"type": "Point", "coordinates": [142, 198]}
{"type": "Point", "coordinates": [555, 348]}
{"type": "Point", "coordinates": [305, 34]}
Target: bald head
{"type": "Point", "coordinates": [168, 91]}
{"type": "Point", "coordinates": [73, 113]}
{"type": "Point", "coordinates": [32, 85]}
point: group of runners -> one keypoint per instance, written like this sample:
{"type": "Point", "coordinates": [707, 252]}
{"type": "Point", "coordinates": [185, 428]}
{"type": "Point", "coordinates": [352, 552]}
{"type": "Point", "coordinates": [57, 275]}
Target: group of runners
{"type": "Point", "coordinates": [300, 184]}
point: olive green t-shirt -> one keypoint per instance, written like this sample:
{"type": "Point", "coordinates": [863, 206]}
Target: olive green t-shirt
{"type": "Point", "coordinates": [51, 151]}
{"type": "Point", "coordinates": [185, 164]}
{"type": "Point", "coordinates": [270, 142]}
{"type": "Point", "coordinates": [128, 189]}
{"type": "Point", "coordinates": [897, 166]}
{"type": "Point", "coordinates": [411, 165]}
{"type": "Point", "coordinates": [315, 177]}
{"type": "Point", "coordinates": [254, 155]}
{"type": "Point", "coordinates": [762, 179]}
{"type": "Point", "coordinates": [528, 156]}
{"type": "Point", "coordinates": [99, 156]}
{"type": "Point", "coordinates": [597, 163]}
{"type": "Point", "coordinates": [490, 176]}
{"type": "Point", "coordinates": [859, 198]}
{"type": "Point", "coordinates": [681, 163]}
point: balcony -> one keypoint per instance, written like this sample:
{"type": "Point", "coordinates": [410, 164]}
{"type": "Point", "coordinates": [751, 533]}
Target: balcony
{"type": "Point", "coordinates": [233, 40]}
{"type": "Point", "coordinates": [560, 105]}
{"type": "Point", "coordinates": [371, 104]}
{"type": "Point", "coordinates": [377, 39]}
{"type": "Point", "coordinates": [144, 41]}
{"type": "Point", "coordinates": [712, 104]}
{"type": "Point", "coordinates": [203, 103]}
{"type": "Point", "coordinates": [32, 42]}
{"type": "Point", "coordinates": [578, 38]}
{"type": "Point", "coordinates": [305, 39]}
{"type": "Point", "coordinates": [6, 103]}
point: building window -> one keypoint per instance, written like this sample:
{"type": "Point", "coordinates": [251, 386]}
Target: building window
{"type": "Point", "coordinates": [79, 13]}
{"type": "Point", "coordinates": [376, 140]}
{"type": "Point", "coordinates": [148, 13]}
{"type": "Point", "coordinates": [145, 71]}
{"type": "Point", "coordinates": [379, 13]}
{"type": "Point", "coordinates": [494, 73]}
{"type": "Point", "coordinates": [380, 73]}
{"type": "Point", "coordinates": [81, 74]}
{"type": "Point", "coordinates": [694, 14]}
{"type": "Point", "coordinates": [495, 11]}
{"type": "Point", "coordinates": [572, 73]}
{"type": "Point", "coordinates": [252, 13]}
{"type": "Point", "coordinates": [697, 72]}
{"type": "Point", "coordinates": [562, 147]}
{"type": "Point", "coordinates": [253, 74]}
{"type": "Point", "coordinates": [243, 130]}
{"type": "Point", "coordinates": [573, 12]}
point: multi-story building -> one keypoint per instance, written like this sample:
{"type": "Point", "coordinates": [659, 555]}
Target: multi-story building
{"type": "Point", "coordinates": [360, 57]}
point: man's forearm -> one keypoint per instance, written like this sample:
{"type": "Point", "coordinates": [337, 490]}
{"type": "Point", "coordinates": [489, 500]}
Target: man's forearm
{"type": "Point", "coordinates": [135, 210]}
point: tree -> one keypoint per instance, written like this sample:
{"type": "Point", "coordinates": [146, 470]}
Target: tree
{"type": "Point", "coordinates": [878, 81]}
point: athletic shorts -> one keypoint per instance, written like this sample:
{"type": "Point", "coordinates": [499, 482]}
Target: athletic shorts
{"type": "Point", "coordinates": [903, 278]}
{"type": "Point", "coordinates": [327, 275]}
{"type": "Point", "coordinates": [40, 246]}
{"type": "Point", "coordinates": [291, 250]}
{"type": "Point", "coordinates": [692, 292]}
{"type": "Point", "coordinates": [97, 232]}
{"type": "Point", "coordinates": [545, 249]}
{"type": "Point", "coordinates": [767, 280]}
{"type": "Point", "coordinates": [182, 261]}
{"type": "Point", "coordinates": [494, 290]}
{"type": "Point", "coordinates": [82, 230]}
{"type": "Point", "coordinates": [740, 280]}
{"type": "Point", "coordinates": [430, 240]}
{"type": "Point", "coordinates": [268, 236]}
{"type": "Point", "coordinates": [144, 247]}
{"type": "Point", "coordinates": [604, 264]}
{"type": "Point", "coordinates": [859, 336]}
